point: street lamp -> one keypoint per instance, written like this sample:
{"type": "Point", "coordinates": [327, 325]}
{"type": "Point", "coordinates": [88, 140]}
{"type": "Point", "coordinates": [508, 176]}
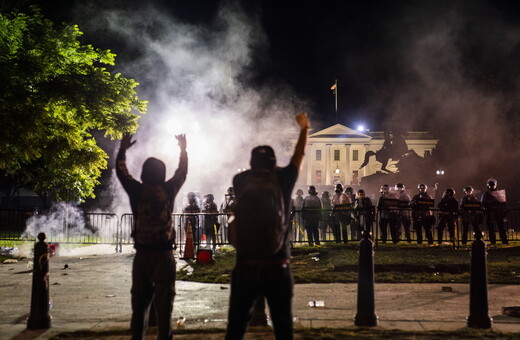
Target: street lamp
{"type": "Point", "coordinates": [337, 171]}
{"type": "Point", "coordinates": [440, 172]}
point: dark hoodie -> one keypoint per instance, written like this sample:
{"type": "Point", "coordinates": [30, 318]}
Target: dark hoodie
{"type": "Point", "coordinates": [152, 201]}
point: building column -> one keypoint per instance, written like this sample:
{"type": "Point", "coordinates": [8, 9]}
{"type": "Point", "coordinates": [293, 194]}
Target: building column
{"type": "Point", "coordinates": [327, 164]}
{"type": "Point", "coordinates": [310, 164]}
{"type": "Point", "coordinates": [348, 165]}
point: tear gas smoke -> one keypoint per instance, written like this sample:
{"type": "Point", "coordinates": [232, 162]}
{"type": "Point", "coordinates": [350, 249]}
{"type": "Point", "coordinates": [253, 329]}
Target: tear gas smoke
{"type": "Point", "coordinates": [195, 79]}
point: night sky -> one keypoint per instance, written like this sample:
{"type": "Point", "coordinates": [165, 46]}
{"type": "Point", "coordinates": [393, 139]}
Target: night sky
{"type": "Point", "coordinates": [365, 45]}
{"type": "Point", "coordinates": [449, 67]}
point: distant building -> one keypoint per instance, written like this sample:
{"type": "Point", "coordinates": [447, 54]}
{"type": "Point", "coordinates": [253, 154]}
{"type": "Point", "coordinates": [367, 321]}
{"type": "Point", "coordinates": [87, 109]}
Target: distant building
{"type": "Point", "coordinates": [335, 154]}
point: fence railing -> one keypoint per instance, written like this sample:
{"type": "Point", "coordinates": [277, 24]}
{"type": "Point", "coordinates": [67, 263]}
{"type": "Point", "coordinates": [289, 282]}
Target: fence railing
{"type": "Point", "coordinates": [211, 230]}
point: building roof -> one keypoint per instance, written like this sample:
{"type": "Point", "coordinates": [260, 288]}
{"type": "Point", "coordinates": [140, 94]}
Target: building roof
{"type": "Point", "coordinates": [339, 131]}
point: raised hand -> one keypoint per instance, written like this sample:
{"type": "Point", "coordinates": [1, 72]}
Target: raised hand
{"type": "Point", "coordinates": [181, 139]}
{"type": "Point", "coordinates": [303, 120]}
{"type": "Point", "coordinates": [126, 141]}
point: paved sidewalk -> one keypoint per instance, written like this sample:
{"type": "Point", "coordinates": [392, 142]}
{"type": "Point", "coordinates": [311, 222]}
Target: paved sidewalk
{"type": "Point", "coordinates": [93, 293]}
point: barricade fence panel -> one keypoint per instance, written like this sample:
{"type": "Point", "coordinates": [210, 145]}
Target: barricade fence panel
{"type": "Point", "coordinates": [211, 230]}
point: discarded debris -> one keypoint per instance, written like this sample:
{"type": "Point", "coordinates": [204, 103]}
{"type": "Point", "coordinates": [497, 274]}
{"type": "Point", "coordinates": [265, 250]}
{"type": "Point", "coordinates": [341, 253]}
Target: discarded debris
{"type": "Point", "coordinates": [10, 261]}
{"type": "Point", "coordinates": [317, 303]}
{"type": "Point", "coordinates": [447, 289]}
{"type": "Point", "coordinates": [511, 311]}
{"type": "Point", "coordinates": [180, 322]}
{"type": "Point", "coordinates": [8, 250]}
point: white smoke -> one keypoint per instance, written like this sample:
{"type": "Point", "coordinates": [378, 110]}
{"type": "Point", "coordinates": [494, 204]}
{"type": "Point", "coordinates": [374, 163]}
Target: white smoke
{"type": "Point", "coordinates": [62, 220]}
{"type": "Point", "coordinates": [196, 79]}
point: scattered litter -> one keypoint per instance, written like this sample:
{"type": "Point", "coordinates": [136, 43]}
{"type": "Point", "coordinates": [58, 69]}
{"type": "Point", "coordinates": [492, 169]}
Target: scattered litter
{"type": "Point", "coordinates": [8, 250]}
{"type": "Point", "coordinates": [180, 322]}
{"type": "Point", "coordinates": [431, 266]}
{"type": "Point", "coordinates": [63, 274]}
{"type": "Point", "coordinates": [447, 289]}
{"type": "Point", "coordinates": [66, 266]}
{"type": "Point", "coordinates": [316, 254]}
{"type": "Point", "coordinates": [29, 264]}
{"type": "Point", "coordinates": [224, 287]}
{"type": "Point", "coordinates": [50, 304]}
{"type": "Point", "coordinates": [317, 303]}
{"type": "Point", "coordinates": [56, 284]}
{"type": "Point", "coordinates": [511, 311]}
{"type": "Point", "coordinates": [10, 261]}
{"type": "Point", "coordinates": [110, 296]}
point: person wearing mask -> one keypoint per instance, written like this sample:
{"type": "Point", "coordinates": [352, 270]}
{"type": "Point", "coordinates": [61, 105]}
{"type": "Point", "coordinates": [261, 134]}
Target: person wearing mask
{"type": "Point", "coordinates": [211, 225]}
{"type": "Point", "coordinates": [495, 210]}
{"type": "Point", "coordinates": [342, 207]}
{"type": "Point", "coordinates": [364, 211]}
{"type": "Point", "coordinates": [403, 215]}
{"type": "Point", "coordinates": [327, 216]}
{"type": "Point", "coordinates": [421, 214]}
{"type": "Point", "coordinates": [262, 265]}
{"type": "Point", "coordinates": [153, 268]}
{"type": "Point", "coordinates": [387, 209]}
{"type": "Point", "coordinates": [448, 210]}
{"type": "Point", "coordinates": [311, 216]}
{"type": "Point", "coordinates": [471, 213]}
{"type": "Point", "coordinates": [191, 211]}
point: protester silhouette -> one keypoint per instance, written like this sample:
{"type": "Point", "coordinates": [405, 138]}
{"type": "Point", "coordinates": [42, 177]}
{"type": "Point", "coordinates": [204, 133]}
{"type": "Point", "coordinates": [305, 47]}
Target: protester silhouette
{"type": "Point", "coordinates": [153, 269]}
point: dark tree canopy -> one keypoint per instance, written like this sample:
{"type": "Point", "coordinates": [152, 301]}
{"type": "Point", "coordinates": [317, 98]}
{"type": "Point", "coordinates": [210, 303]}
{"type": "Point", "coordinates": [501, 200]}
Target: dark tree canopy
{"type": "Point", "coordinates": [54, 91]}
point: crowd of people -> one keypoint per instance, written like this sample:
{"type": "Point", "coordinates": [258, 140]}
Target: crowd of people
{"type": "Point", "coordinates": [344, 213]}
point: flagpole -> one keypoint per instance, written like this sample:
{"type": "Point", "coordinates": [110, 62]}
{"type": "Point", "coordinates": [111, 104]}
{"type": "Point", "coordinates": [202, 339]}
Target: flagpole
{"type": "Point", "coordinates": [334, 89]}
{"type": "Point", "coordinates": [336, 100]}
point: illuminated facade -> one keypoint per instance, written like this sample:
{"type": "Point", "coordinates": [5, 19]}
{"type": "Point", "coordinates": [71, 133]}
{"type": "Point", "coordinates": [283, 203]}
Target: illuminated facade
{"type": "Point", "coordinates": [335, 154]}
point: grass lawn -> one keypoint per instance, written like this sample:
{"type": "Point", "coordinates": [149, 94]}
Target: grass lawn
{"type": "Point", "coordinates": [404, 263]}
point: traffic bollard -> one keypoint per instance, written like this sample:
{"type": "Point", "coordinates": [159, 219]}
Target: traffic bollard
{"type": "Point", "coordinates": [478, 291]}
{"type": "Point", "coordinates": [39, 318]}
{"type": "Point", "coordinates": [366, 315]}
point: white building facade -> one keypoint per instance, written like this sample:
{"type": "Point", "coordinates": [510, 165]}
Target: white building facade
{"type": "Point", "coordinates": [335, 154]}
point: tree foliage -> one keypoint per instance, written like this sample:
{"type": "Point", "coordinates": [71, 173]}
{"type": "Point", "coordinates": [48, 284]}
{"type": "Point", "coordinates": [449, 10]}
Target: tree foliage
{"type": "Point", "coordinates": [54, 91]}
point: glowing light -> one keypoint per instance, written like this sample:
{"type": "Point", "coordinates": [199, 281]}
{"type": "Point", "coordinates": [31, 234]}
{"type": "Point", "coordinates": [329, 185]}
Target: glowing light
{"type": "Point", "coordinates": [440, 172]}
{"type": "Point", "coordinates": [337, 171]}
{"type": "Point", "coordinates": [361, 128]}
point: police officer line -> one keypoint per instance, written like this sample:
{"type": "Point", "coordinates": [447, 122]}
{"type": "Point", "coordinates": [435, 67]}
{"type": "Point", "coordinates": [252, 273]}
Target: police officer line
{"type": "Point", "coordinates": [108, 228]}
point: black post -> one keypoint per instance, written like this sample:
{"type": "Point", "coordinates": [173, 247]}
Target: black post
{"type": "Point", "coordinates": [366, 315]}
{"type": "Point", "coordinates": [40, 317]}
{"type": "Point", "coordinates": [478, 292]}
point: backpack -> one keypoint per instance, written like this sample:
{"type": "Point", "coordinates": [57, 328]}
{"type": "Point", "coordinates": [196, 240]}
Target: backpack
{"type": "Point", "coordinates": [154, 221]}
{"type": "Point", "coordinates": [258, 230]}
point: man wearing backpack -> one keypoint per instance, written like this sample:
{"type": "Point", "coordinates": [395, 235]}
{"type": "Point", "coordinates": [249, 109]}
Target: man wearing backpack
{"type": "Point", "coordinates": [261, 235]}
{"type": "Point", "coordinates": [153, 269]}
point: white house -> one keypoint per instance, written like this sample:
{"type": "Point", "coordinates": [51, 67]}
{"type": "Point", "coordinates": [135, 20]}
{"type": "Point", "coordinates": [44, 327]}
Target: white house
{"type": "Point", "coordinates": [335, 154]}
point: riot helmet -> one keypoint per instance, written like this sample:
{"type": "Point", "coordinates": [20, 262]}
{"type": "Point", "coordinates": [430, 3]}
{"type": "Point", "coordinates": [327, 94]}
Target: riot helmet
{"type": "Point", "coordinates": [299, 192]}
{"type": "Point", "coordinates": [325, 194]}
{"type": "Point", "coordinates": [312, 190]}
{"type": "Point", "coordinates": [231, 191]}
{"type": "Point", "coordinates": [385, 189]}
{"type": "Point", "coordinates": [449, 192]}
{"type": "Point", "coordinates": [422, 188]}
{"type": "Point", "coordinates": [492, 184]}
{"type": "Point", "coordinates": [399, 186]}
{"type": "Point", "coordinates": [209, 198]}
{"type": "Point", "coordinates": [468, 190]}
{"type": "Point", "coordinates": [361, 193]}
{"type": "Point", "coordinates": [339, 188]}
{"type": "Point", "coordinates": [349, 190]}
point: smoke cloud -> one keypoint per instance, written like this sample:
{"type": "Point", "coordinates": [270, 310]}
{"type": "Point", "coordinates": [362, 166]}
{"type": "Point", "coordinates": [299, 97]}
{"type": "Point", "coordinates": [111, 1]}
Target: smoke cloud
{"type": "Point", "coordinates": [196, 79]}
{"type": "Point", "coordinates": [452, 79]}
